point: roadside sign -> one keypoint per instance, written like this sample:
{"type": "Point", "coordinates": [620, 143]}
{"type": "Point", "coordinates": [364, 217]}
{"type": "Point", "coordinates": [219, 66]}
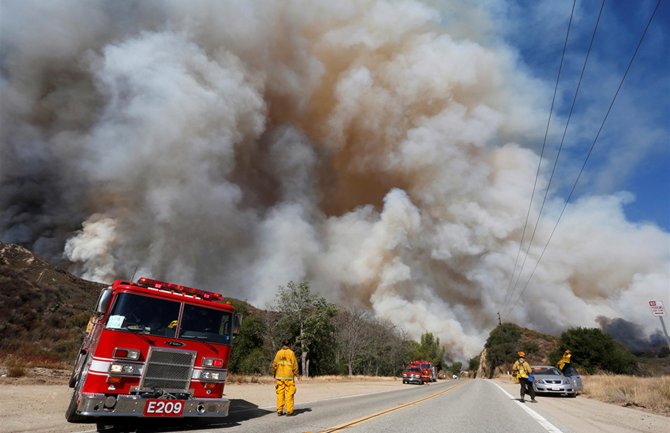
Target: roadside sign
{"type": "Point", "coordinates": [657, 308]}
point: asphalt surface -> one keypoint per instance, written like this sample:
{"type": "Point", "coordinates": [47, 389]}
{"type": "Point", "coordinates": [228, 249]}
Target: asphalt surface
{"type": "Point", "coordinates": [453, 406]}
{"type": "Point", "coordinates": [476, 406]}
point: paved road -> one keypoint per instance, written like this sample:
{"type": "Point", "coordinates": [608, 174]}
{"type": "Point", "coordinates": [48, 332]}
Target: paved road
{"type": "Point", "coordinates": [454, 406]}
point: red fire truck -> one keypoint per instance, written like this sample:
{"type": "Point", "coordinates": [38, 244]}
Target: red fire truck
{"type": "Point", "coordinates": [428, 371]}
{"type": "Point", "coordinates": [153, 349]}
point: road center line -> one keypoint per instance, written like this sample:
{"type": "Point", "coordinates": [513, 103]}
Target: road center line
{"type": "Point", "coordinates": [536, 416]}
{"type": "Point", "coordinates": [366, 418]}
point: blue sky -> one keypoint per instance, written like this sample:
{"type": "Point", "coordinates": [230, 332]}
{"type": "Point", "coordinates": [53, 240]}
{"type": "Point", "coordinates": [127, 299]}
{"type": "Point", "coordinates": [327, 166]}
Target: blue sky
{"type": "Point", "coordinates": [633, 151]}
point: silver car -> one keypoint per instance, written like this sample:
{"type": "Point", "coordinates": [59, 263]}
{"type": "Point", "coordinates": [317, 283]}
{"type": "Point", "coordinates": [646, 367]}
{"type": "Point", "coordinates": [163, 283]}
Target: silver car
{"type": "Point", "coordinates": [576, 379]}
{"type": "Point", "coordinates": [550, 380]}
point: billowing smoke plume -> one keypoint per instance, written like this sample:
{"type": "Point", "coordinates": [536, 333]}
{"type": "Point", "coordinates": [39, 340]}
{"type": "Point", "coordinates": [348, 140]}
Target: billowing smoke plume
{"type": "Point", "coordinates": [358, 144]}
{"type": "Point", "coordinates": [632, 335]}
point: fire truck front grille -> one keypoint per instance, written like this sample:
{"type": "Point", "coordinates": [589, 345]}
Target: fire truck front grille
{"type": "Point", "coordinates": [168, 369]}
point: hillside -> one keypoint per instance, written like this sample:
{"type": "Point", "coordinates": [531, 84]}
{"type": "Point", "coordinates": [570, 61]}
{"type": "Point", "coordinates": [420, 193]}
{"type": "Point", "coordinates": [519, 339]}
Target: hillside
{"type": "Point", "coordinates": [44, 309]}
{"type": "Point", "coordinates": [537, 346]}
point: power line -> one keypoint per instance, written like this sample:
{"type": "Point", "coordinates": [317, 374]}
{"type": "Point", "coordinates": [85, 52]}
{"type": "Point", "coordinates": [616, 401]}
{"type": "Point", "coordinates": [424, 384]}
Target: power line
{"type": "Point", "coordinates": [560, 147]}
{"type": "Point", "coordinates": [588, 155]}
{"type": "Point", "coordinates": [544, 142]}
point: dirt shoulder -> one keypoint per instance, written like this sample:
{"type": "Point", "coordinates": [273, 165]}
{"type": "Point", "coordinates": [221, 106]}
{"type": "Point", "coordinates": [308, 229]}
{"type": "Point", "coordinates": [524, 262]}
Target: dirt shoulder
{"type": "Point", "coordinates": [584, 414]}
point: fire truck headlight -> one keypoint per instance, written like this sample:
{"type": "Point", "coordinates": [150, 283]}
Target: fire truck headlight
{"type": "Point", "coordinates": [124, 369]}
{"type": "Point", "coordinates": [212, 375]}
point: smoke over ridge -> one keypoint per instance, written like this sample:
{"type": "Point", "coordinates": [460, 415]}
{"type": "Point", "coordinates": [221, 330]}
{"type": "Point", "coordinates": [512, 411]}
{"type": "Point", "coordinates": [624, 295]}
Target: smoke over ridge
{"type": "Point", "coordinates": [358, 144]}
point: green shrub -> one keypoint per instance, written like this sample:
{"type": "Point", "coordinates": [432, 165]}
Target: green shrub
{"type": "Point", "coordinates": [593, 351]}
{"type": "Point", "coordinates": [473, 363]}
{"type": "Point", "coordinates": [255, 363]}
{"type": "Point", "coordinates": [530, 347]}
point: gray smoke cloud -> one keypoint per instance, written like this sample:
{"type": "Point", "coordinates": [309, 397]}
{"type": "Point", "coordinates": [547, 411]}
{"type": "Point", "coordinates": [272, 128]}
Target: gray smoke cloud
{"type": "Point", "coordinates": [235, 146]}
{"type": "Point", "coordinates": [632, 335]}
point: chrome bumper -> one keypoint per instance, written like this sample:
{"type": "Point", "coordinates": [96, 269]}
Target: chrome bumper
{"type": "Point", "coordinates": [412, 380]}
{"type": "Point", "coordinates": [133, 405]}
{"type": "Point", "coordinates": [555, 389]}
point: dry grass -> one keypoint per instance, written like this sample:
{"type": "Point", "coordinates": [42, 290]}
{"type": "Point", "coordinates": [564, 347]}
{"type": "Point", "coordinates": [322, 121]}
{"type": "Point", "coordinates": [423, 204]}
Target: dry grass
{"type": "Point", "coordinates": [648, 393]}
{"type": "Point", "coordinates": [33, 361]}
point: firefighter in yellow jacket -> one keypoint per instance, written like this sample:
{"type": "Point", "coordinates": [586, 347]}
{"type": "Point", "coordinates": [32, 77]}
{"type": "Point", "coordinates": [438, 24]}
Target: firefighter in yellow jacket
{"type": "Point", "coordinates": [565, 363]}
{"type": "Point", "coordinates": [521, 371]}
{"type": "Point", "coordinates": [285, 370]}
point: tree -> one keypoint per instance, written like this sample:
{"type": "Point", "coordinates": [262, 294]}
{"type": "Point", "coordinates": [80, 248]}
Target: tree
{"type": "Point", "coordinates": [502, 344]}
{"type": "Point", "coordinates": [382, 348]}
{"type": "Point", "coordinates": [430, 350]}
{"type": "Point", "coordinates": [249, 346]}
{"type": "Point", "coordinates": [351, 329]}
{"type": "Point", "coordinates": [593, 350]}
{"type": "Point", "coordinates": [306, 317]}
{"type": "Point", "coordinates": [456, 368]}
{"type": "Point", "coordinates": [247, 353]}
{"type": "Point", "coordinates": [382, 344]}
{"type": "Point", "coordinates": [473, 364]}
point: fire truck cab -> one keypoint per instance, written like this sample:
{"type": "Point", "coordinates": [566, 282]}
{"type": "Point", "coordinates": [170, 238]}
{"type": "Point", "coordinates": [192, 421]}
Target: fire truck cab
{"type": "Point", "coordinates": [428, 371]}
{"type": "Point", "coordinates": [153, 349]}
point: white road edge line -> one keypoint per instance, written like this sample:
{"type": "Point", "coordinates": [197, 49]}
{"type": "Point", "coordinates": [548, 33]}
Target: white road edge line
{"type": "Point", "coordinates": [539, 418]}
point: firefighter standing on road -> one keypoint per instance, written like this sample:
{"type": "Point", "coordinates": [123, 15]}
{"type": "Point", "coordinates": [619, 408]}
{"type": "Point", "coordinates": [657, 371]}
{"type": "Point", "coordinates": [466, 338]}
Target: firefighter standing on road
{"type": "Point", "coordinates": [285, 369]}
{"type": "Point", "coordinates": [521, 370]}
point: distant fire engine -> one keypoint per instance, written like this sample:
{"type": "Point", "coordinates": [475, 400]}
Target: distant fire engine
{"type": "Point", "coordinates": [153, 349]}
{"type": "Point", "coordinates": [428, 370]}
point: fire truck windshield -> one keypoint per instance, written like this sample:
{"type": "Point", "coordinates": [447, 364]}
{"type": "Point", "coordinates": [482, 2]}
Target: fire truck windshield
{"type": "Point", "coordinates": [206, 324]}
{"type": "Point", "coordinates": [137, 313]}
{"type": "Point", "coordinates": [154, 316]}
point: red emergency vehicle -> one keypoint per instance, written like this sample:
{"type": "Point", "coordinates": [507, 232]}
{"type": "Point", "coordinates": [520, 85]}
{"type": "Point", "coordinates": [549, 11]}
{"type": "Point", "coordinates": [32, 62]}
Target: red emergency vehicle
{"type": "Point", "coordinates": [428, 371]}
{"type": "Point", "coordinates": [412, 374]}
{"type": "Point", "coordinates": [153, 349]}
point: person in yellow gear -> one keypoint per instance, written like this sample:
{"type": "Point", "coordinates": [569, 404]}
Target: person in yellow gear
{"type": "Point", "coordinates": [285, 370]}
{"type": "Point", "coordinates": [521, 371]}
{"type": "Point", "coordinates": [565, 364]}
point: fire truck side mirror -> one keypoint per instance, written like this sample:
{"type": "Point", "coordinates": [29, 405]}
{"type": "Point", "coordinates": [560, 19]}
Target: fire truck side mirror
{"type": "Point", "coordinates": [237, 323]}
{"type": "Point", "coordinates": [103, 301]}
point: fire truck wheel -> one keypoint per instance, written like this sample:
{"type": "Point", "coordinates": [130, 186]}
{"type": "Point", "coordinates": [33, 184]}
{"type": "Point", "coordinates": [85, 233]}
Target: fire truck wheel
{"type": "Point", "coordinates": [78, 367]}
{"type": "Point", "coordinates": [71, 412]}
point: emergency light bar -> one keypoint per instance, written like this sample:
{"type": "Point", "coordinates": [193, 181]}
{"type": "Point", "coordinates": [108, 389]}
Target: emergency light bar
{"type": "Point", "coordinates": [211, 296]}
